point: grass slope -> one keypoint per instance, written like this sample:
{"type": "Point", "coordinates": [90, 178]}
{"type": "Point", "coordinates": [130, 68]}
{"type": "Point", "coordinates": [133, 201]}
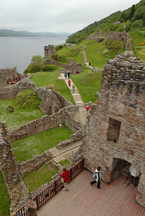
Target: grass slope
{"type": "Point", "coordinates": [65, 163]}
{"type": "Point", "coordinates": [50, 79]}
{"type": "Point", "coordinates": [4, 199]}
{"type": "Point", "coordinates": [37, 178]}
{"type": "Point", "coordinates": [71, 53]}
{"type": "Point", "coordinates": [96, 53]}
{"type": "Point", "coordinates": [130, 19]}
{"type": "Point", "coordinates": [31, 146]}
{"type": "Point", "coordinates": [26, 108]}
{"type": "Point", "coordinates": [138, 37]}
{"type": "Point", "coordinates": [88, 84]}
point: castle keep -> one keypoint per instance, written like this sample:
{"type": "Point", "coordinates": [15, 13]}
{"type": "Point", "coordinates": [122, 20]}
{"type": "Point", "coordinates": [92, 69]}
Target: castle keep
{"type": "Point", "coordinates": [115, 133]}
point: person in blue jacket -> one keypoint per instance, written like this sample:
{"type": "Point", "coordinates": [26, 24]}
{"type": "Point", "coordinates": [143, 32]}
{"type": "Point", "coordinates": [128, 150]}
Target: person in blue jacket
{"type": "Point", "coordinates": [97, 177]}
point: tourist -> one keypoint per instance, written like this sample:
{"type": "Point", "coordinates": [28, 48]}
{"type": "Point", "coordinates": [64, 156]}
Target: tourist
{"type": "Point", "coordinates": [68, 75]}
{"type": "Point", "coordinates": [135, 175]}
{"type": "Point", "coordinates": [87, 107]}
{"type": "Point", "coordinates": [69, 83]}
{"type": "Point", "coordinates": [97, 177]}
{"type": "Point", "coordinates": [65, 177]}
{"type": "Point", "coordinates": [65, 75]}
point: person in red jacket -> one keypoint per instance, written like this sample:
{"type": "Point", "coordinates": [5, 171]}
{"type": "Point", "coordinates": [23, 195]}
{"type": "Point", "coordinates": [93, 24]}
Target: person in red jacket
{"type": "Point", "coordinates": [69, 83]}
{"type": "Point", "coordinates": [65, 176]}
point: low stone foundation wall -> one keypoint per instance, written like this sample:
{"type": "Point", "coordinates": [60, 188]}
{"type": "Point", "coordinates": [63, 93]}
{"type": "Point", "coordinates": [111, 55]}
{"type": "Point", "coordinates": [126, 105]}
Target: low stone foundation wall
{"type": "Point", "coordinates": [10, 91]}
{"type": "Point", "coordinates": [63, 117]}
{"type": "Point", "coordinates": [35, 127]}
{"type": "Point", "coordinates": [35, 163]}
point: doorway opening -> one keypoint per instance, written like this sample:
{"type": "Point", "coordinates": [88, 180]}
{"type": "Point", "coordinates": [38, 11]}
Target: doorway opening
{"type": "Point", "coordinates": [120, 168]}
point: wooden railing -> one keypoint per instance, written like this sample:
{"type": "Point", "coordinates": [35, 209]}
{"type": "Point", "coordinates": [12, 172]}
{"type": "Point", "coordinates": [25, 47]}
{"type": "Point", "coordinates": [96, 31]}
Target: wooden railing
{"type": "Point", "coordinates": [47, 191]}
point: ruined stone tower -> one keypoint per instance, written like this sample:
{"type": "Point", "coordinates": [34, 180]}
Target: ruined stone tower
{"type": "Point", "coordinates": [49, 50]}
{"type": "Point", "coordinates": [115, 133]}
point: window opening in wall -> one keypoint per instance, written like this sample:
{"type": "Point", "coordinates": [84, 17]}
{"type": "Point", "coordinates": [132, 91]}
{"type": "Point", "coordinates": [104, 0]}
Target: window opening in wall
{"type": "Point", "coordinates": [113, 130]}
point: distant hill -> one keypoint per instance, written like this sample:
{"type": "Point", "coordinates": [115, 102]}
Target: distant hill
{"type": "Point", "coordinates": [128, 20]}
{"type": "Point", "coordinates": [12, 33]}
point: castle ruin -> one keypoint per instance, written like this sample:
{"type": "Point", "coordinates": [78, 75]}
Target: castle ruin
{"type": "Point", "coordinates": [49, 50]}
{"type": "Point", "coordinates": [115, 133]}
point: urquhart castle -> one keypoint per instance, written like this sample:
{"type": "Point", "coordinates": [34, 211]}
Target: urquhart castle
{"type": "Point", "coordinates": [113, 136]}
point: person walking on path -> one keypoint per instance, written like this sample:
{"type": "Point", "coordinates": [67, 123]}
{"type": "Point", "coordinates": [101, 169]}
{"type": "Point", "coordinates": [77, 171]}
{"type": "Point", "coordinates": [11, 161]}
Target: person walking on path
{"type": "Point", "coordinates": [69, 83]}
{"type": "Point", "coordinates": [68, 75]}
{"type": "Point", "coordinates": [65, 177]}
{"type": "Point", "coordinates": [97, 177]}
{"type": "Point", "coordinates": [65, 75]}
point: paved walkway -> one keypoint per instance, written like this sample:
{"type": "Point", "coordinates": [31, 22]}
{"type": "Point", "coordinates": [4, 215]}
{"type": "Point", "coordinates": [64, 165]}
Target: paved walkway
{"type": "Point", "coordinates": [78, 100]}
{"type": "Point", "coordinates": [116, 199]}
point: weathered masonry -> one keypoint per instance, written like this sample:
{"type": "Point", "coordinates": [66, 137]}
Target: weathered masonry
{"type": "Point", "coordinates": [115, 133]}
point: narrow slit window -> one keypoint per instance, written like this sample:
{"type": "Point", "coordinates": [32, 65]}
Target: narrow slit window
{"type": "Point", "coordinates": [113, 130]}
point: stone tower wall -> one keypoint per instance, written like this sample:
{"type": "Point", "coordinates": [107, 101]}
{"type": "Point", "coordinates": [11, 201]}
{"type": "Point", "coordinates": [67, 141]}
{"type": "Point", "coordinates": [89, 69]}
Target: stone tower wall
{"type": "Point", "coordinates": [49, 50]}
{"type": "Point", "coordinates": [122, 100]}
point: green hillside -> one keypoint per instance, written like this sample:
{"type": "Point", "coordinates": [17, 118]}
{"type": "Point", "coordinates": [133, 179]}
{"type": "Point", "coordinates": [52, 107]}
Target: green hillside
{"type": "Point", "coordinates": [127, 20]}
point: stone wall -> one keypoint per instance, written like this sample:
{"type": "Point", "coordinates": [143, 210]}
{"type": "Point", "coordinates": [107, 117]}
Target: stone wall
{"type": "Point", "coordinates": [51, 101]}
{"type": "Point", "coordinates": [10, 91]}
{"type": "Point", "coordinates": [35, 163]}
{"type": "Point", "coordinates": [73, 67]}
{"type": "Point", "coordinates": [17, 190]}
{"type": "Point", "coordinates": [6, 74]}
{"type": "Point", "coordinates": [49, 50]}
{"type": "Point", "coordinates": [119, 36]}
{"type": "Point", "coordinates": [63, 117]}
{"type": "Point", "coordinates": [122, 101]}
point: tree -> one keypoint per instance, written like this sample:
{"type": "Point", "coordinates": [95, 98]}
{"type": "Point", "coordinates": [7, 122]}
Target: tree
{"type": "Point", "coordinates": [132, 11]}
{"type": "Point", "coordinates": [143, 19]}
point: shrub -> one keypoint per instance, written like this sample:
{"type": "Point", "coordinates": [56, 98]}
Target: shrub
{"type": "Point", "coordinates": [27, 99]}
{"type": "Point", "coordinates": [58, 47]}
{"type": "Point", "coordinates": [115, 45]}
{"type": "Point", "coordinates": [139, 13]}
{"type": "Point", "coordinates": [143, 19]}
{"type": "Point", "coordinates": [33, 68]}
{"type": "Point", "coordinates": [137, 24]}
{"type": "Point", "coordinates": [62, 58]}
{"type": "Point", "coordinates": [128, 26]}
{"type": "Point", "coordinates": [37, 60]}
{"type": "Point", "coordinates": [48, 67]}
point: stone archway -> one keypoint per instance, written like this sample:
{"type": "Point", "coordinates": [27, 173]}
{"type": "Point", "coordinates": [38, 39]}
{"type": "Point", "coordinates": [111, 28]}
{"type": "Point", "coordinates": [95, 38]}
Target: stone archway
{"type": "Point", "coordinates": [120, 168]}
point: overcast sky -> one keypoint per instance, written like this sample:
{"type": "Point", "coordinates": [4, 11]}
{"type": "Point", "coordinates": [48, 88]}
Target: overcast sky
{"type": "Point", "coordinates": [56, 15]}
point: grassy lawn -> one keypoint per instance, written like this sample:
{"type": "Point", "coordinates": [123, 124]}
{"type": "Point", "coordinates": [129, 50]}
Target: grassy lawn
{"type": "Point", "coordinates": [31, 146]}
{"type": "Point", "coordinates": [65, 163]}
{"type": "Point", "coordinates": [26, 108]}
{"type": "Point", "coordinates": [72, 53]}
{"type": "Point", "coordinates": [4, 199]}
{"type": "Point", "coordinates": [138, 37]}
{"type": "Point", "coordinates": [88, 83]}
{"type": "Point", "coordinates": [37, 178]}
{"type": "Point", "coordinates": [50, 79]}
{"type": "Point", "coordinates": [95, 54]}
